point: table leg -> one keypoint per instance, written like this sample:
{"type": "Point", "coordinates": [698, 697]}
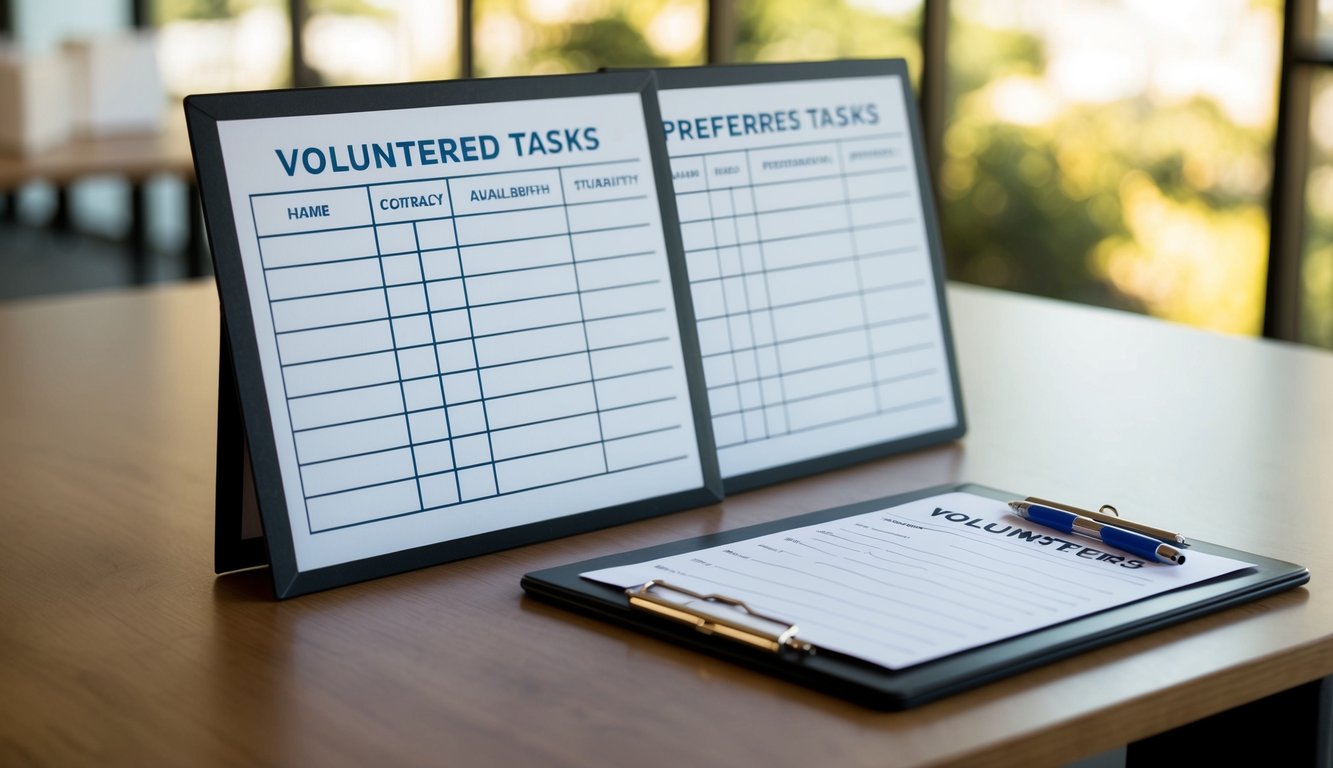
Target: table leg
{"type": "Point", "coordinates": [139, 232]}
{"type": "Point", "coordinates": [61, 218]}
{"type": "Point", "coordinates": [1293, 728]}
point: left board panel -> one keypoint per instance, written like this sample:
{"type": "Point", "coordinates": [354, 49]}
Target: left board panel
{"type": "Point", "coordinates": [456, 315]}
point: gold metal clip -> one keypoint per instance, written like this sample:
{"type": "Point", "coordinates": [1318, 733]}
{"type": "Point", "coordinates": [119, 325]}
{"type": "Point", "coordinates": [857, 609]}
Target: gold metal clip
{"type": "Point", "coordinates": [745, 625]}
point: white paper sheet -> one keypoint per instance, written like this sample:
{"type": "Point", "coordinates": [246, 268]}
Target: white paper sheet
{"type": "Point", "coordinates": [923, 580]}
{"type": "Point", "coordinates": [805, 239]}
{"type": "Point", "coordinates": [464, 317]}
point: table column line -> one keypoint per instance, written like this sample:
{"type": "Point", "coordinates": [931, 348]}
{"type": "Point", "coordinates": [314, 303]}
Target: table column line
{"type": "Point", "coordinates": [583, 319]}
{"type": "Point", "coordinates": [393, 340]}
{"type": "Point", "coordinates": [860, 280]}
{"type": "Point", "coordinates": [277, 349]}
{"type": "Point", "coordinates": [749, 311]}
{"type": "Point", "coordinates": [435, 353]}
{"type": "Point", "coordinates": [472, 337]}
{"type": "Point", "coordinates": [768, 289]}
{"type": "Point", "coordinates": [722, 291]}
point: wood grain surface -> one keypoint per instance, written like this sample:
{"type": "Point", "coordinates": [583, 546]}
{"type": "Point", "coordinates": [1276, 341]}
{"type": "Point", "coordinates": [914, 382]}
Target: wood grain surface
{"type": "Point", "coordinates": [119, 646]}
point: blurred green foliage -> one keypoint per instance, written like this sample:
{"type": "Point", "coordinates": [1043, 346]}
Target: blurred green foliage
{"type": "Point", "coordinates": [173, 10]}
{"type": "Point", "coordinates": [1148, 205]}
{"type": "Point", "coordinates": [828, 29]}
{"type": "Point", "coordinates": [1143, 202]}
{"type": "Point", "coordinates": [522, 37]}
{"type": "Point", "coordinates": [1316, 320]}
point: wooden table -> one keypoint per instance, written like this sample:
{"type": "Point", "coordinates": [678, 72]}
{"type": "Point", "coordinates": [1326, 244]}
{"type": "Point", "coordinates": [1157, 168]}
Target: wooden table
{"type": "Point", "coordinates": [136, 157]}
{"type": "Point", "coordinates": [118, 645]}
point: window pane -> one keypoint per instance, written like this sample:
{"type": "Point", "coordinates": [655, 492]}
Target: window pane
{"type": "Point", "coordinates": [1317, 265]}
{"type": "Point", "coordinates": [797, 30]}
{"type": "Point", "coordinates": [223, 45]}
{"type": "Point", "coordinates": [539, 37]}
{"type": "Point", "coordinates": [1325, 23]}
{"type": "Point", "coordinates": [373, 41]}
{"type": "Point", "coordinates": [1114, 153]}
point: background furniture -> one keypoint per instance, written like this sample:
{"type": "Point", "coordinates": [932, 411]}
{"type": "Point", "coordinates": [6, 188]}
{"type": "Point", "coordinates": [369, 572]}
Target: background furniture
{"type": "Point", "coordinates": [134, 157]}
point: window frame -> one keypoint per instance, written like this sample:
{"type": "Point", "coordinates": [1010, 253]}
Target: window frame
{"type": "Point", "coordinates": [1300, 59]}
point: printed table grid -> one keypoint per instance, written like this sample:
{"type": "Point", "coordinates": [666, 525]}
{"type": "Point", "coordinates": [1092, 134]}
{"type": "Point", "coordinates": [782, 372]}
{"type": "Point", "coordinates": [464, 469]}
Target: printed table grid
{"type": "Point", "coordinates": [780, 262]}
{"type": "Point", "coordinates": [489, 343]}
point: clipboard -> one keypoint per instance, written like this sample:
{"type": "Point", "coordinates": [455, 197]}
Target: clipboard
{"type": "Point", "coordinates": [875, 686]}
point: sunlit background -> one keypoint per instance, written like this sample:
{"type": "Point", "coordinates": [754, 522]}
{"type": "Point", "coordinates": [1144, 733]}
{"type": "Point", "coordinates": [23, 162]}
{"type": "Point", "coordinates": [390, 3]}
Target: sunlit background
{"type": "Point", "coordinates": [1113, 152]}
{"type": "Point", "coordinates": [1317, 265]}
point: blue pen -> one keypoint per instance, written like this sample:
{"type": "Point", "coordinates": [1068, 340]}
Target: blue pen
{"type": "Point", "coordinates": [1068, 522]}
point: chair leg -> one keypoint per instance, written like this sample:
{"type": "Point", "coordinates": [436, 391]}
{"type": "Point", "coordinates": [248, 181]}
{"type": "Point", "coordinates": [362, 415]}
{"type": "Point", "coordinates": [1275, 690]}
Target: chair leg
{"type": "Point", "coordinates": [139, 232]}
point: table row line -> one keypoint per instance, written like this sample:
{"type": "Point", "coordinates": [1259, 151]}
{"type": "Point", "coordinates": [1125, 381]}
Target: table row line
{"type": "Point", "coordinates": [758, 330]}
{"type": "Point", "coordinates": [564, 294]}
{"type": "Point", "coordinates": [515, 276]}
{"type": "Point", "coordinates": [428, 229]}
{"type": "Point", "coordinates": [788, 163]}
{"type": "Point", "coordinates": [379, 421]}
{"type": "Point", "coordinates": [741, 274]}
{"type": "Point", "coordinates": [423, 493]}
{"type": "Point", "coordinates": [404, 273]}
{"type": "Point", "coordinates": [495, 307]}
{"type": "Point", "coordinates": [867, 189]}
{"type": "Point", "coordinates": [603, 236]}
{"type": "Point", "coordinates": [557, 387]}
{"type": "Point", "coordinates": [743, 296]}
{"type": "Point", "coordinates": [779, 420]}
{"type": "Point", "coordinates": [348, 373]}
{"type": "Point", "coordinates": [562, 320]}
{"type": "Point", "coordinates": [890, 233]}
{"type": "Point", "coordinates": [766, 380]}
{"type": "Point", "coordinates": [804, 222]}
{"type": "Point", "coordinates": [411, 347]}
{"type": "Point", "coordinates": [281, 213]}
{"type": "Point", "coordinates": [440, 454]}
{"type": "Point", "coordinates": [900, 371]}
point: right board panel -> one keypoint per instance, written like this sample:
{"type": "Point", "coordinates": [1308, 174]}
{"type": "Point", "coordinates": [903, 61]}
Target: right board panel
{"type": "Point", "coordinates": [814, 263]}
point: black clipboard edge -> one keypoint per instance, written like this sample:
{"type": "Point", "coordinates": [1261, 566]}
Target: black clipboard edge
{"type": "Point", "coordinates": [878, 688]}
{"type": "Point", "coordinates": [760, 73]}
{"type": "Point", "coordinates": [203, 112]}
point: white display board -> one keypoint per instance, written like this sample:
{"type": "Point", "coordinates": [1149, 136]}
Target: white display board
{"type": "Point", "coordinates": [463, 320]}
{"type": "Point", "coordinates": [813, 263]}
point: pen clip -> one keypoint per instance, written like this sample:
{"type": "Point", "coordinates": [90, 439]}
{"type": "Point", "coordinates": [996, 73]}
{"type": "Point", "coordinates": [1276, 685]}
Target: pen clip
{"type": "Point", "coordinates": [744, 627]}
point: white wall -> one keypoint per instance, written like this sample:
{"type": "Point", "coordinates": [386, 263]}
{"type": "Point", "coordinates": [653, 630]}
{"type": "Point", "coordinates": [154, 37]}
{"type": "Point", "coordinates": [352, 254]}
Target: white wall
{"type": "Point", "coordinates": [42, 24]}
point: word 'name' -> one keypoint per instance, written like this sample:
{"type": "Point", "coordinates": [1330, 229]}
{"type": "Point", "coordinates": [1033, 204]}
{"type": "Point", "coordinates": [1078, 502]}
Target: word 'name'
{"type": "Point", "coordinates": [431, 200]}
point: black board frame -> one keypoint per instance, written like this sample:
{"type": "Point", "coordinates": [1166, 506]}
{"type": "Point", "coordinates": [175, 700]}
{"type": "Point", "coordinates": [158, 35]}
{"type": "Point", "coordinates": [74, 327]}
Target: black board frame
{"type": "Point", "coordinates": [240, 355]}
{"type": "Point", "coordinates": [669, 79]}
